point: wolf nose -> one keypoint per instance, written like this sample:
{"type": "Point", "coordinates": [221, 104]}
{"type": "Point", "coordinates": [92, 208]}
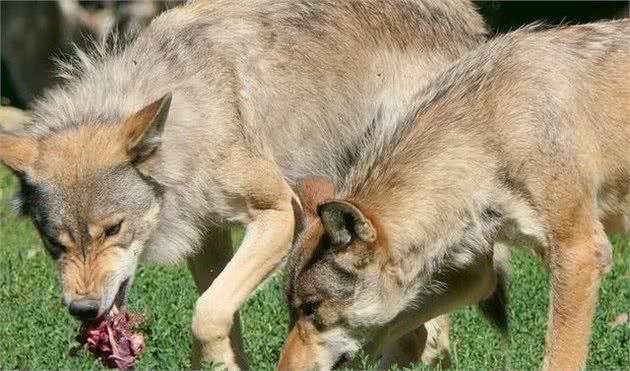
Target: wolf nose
{"type": "Point", "coordinates": [84, 309]}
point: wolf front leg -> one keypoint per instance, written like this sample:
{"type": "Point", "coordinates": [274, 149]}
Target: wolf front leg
{"type": "Point", "coordinates": [269, 233]}
{"type": "Point", "coordinates": [216, 251]}
{"type": "Point", "coordinates": [427, 343]}
{"type": "Point", "coordinates": [575, 265]}
{"type": "Point", "coordinates": [436, 349]}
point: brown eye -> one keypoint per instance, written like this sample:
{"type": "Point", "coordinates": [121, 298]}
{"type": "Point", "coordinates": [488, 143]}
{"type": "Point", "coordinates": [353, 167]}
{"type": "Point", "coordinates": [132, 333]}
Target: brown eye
{"type": "Point", "coordinates": [113, 230]}
{"type": "Point", "coordinates": [54, 248]}
{"type": "Point", "coordinates": [309, 309]}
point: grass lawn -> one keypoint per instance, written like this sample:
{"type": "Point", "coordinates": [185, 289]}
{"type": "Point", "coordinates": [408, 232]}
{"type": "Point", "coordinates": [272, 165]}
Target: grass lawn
{"type": "Point", "coordinates": [36, 332]}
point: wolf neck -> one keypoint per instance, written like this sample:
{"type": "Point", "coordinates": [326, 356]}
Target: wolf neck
{"type": "Point", "coordinates": [427, 177]}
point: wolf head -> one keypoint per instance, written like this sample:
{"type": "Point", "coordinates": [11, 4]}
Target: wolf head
{"type": "Point", "coordinates": [338, 258]}
{"type": "Point", "coordinates": [346, 284]}
{"type": "Point", "coordinates": [89, 192]}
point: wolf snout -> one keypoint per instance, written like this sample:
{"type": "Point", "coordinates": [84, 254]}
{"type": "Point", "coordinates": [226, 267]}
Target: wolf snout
{"type": "Point", "coordinates": [84, 309]}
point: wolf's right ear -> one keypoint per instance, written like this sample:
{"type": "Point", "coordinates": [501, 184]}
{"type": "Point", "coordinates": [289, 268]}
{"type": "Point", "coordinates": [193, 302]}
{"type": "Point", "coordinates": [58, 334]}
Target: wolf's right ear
{"type": "Point", "coordinates": [18, 153]}
{"type": "Point", "coordinates": [143, 130]}
{"type": "Point", "coordinates": [342, 220]}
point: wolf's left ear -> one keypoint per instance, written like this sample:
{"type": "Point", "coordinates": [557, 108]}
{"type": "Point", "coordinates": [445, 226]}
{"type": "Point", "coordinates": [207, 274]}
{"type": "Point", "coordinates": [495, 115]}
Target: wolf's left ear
{"type": "Point", "coordinates": [342, 220]}
{"type": "Point", "coordinates": [143, 131]}
{"type": "Point", "coordinates": [18, 153]}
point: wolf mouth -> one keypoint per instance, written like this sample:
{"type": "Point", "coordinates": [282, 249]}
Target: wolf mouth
{"type": "Point", "coordinates": [120, 300]}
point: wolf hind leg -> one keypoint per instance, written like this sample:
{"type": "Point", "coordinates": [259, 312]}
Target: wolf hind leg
{"type": "Point", "coordinates": [494, 308]}
{"type": "Point", "coordinates": [617, 224]}
{"type": "Point", "coordinates": [575, 270]}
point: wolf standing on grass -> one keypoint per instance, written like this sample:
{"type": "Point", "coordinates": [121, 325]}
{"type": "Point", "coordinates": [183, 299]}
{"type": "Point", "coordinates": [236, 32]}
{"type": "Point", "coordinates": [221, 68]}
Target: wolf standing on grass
{"type": "Point", "coordinates": [526, 141]}
{"type": "Point", "coordinates": [206, 120]}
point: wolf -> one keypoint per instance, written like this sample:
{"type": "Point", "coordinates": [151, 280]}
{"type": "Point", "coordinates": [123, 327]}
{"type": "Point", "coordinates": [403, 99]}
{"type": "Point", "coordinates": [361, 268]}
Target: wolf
{"type": "Point", "coordinates": [311, 283]}
{"type": "Point", "coordinates": [151, 150]}
{"type": "Point", "coordinates": [523, 141]}
{"type": "Point", "coordinates": [315, 279]}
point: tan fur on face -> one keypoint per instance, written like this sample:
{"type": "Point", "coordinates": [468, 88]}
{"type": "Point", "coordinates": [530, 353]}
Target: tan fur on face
{"type": "Point", "coordinates": [90, 268]}
{"type": "Point", "coordinates": [97, 228]}
{"type": "Point", "coordinates": [88, 275]}
{"type": "Point", "coordinates": [77, 153]}
{"type": "Point", "coordinates": [300, 349]}
{"type": "Point", "coordinates": [74, 154]}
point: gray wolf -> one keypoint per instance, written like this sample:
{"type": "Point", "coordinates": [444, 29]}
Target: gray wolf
{"type": "Point", "coordinates": [151, 150]}
{"type": "Point", "coordinates": [321, 283]}
{"type": "Point", "coordinates": [523, 141]}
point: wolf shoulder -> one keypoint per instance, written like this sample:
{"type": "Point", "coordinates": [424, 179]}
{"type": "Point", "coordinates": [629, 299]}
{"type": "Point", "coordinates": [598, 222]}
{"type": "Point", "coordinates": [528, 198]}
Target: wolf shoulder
{"type": "Point", "coordinates": [595, 53]}
{"type": "Point", "coordinates": [351, 27]}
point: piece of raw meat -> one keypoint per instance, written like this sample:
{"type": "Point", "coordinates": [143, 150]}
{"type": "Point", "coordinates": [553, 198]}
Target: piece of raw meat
{"type": "Point", "coordinates": [112, 339]}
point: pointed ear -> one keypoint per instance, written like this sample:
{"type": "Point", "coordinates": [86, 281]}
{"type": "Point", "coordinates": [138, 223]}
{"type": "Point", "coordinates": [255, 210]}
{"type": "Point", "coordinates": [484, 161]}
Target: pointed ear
{"type": "Point", "coordinates": [143, 130]}
{"type": "Point", "coordinates": [18, 153]}
{"type": "Point", "coordinates": [342, 220]}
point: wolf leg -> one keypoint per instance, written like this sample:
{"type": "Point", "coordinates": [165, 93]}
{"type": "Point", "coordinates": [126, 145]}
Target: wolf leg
{"type": "Point", "coordinates": [436, 349]}
{"type": "Point", "coordinates": [616, 224]}
{"type": "Point", "coordinates": [265, 203]}
{"type": "Point", "coordinates": [575, 274]}
{"type": "Point", "coordinates": [216, 251]}
{"type": "Point", "coordinates": [428, 343]}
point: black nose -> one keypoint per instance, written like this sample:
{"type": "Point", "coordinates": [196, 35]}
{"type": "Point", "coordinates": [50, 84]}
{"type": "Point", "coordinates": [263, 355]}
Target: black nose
{"type": "Point", "coordinates": [84, 309]}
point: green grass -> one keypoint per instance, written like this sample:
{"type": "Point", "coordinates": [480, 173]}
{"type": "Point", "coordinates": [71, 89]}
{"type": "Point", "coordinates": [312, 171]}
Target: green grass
{"type": "Point", "coordinates": [37, 333]}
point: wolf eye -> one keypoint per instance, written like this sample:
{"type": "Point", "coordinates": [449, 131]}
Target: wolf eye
{"type": "Point", "coordinates": [310, 308]}
{"type": "Point", "coordinates": [54, 248]}
{"type": "Point", "coordinates": [113, 230]}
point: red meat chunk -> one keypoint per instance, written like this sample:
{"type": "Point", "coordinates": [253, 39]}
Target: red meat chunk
{"type": "Point", "coordinates": [112, 340]}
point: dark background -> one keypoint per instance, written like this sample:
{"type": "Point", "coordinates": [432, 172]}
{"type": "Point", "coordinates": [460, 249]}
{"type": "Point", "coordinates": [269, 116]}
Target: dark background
{"type": "Point", "coordinates": [503, 16]}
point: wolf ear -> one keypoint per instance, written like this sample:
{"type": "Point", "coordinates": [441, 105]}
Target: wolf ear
{"type": "Point", "coordinates": [143, 130]}
{"type": "Point", "coordinates": [342, 220]}
{"type": "Point", "coordinates": [18, 153]}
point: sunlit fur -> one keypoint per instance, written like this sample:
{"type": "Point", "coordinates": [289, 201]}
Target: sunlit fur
{"type": "Point", "coordinates": [263, 93]}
